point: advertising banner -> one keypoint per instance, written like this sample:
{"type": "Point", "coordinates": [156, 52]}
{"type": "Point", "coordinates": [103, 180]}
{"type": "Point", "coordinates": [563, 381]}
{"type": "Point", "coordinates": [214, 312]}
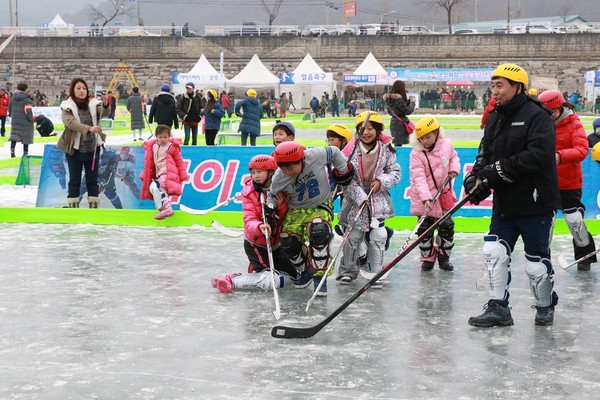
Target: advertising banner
{"type": "Point", "coordinates": [440, 74]}
{"type": "Point", "coordinates": [218, 172]}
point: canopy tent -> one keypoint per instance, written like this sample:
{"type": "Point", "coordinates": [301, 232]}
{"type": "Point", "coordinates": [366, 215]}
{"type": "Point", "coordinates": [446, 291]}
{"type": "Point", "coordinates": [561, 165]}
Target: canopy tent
{"type": "Point", "coordinates": [253, 76]}
{"type": "Point", "coordinates": [371, 67]}
{"type": "Point", "coordinates": [57, 22]}
{"type": "Point", "coordinates": [369, 73]}
{"type": "Point", "coordinates": [306, 81]}
{"type": "Point", "coordinates": [203, 75]}
{"type": "Point", "coordinates": [58, 27]}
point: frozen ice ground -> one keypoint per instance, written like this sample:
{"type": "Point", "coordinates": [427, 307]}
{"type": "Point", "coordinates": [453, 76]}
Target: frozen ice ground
{"type": "Point", "coordinates": [100, 312]}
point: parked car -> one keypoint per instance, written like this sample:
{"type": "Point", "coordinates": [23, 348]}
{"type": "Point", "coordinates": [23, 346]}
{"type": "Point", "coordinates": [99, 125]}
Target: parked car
{"type": "Point", "coordinates": [285, 30]}
{"type": "Point", "coordinates": [317, 30]}
{"type": "Point", "coordinates": [415, 30]}
{"type": "Point", "coordinates": [346, 30]}
{"type": "Point", "coordinates": [531, 28]}
{"type": "Point", "coordinates": [251, 28]}
{"type": "Point", "coordinates": [466, 32]}
{"type": "Point", "coordinates": [370, 29]}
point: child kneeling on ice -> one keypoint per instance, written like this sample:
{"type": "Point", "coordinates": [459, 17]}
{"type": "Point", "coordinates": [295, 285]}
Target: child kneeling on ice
{"type": "Point", "coordinates": [262, 167]}
{"type": "Point", "coordinates": [432, 159]}
{"type": "Point", "coordinates": [164, 171]}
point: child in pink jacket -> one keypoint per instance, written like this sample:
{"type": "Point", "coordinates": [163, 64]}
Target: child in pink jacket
{"type": "Point", "coordinates": [262, 167]}
{"type": "Point", "coordinates": [164, 171]}
{"type": "Point", "coordinates": [432, 159]}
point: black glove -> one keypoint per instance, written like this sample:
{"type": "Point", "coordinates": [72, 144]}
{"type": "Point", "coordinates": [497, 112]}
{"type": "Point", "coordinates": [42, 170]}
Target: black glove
{"type": "Point", "coordinates": [345, 178]}
{"type": "Point", "coordinates": [496, 174]}
{"type": "Point", "coordinates": [272, 219]}
{"type": "Point", "coordinates": [480, 192]}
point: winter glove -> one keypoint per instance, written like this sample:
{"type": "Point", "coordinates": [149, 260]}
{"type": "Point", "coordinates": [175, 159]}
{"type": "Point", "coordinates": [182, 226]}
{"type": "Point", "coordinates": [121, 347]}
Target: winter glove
{"type": "Point", "coordinates": [496, 174]}
{"type": "Point", "coordinates": [345, 178]}
{"type": "Point", "coordinates": [272, 219]}
{"type": "Point", "coordinates": [480, 189]}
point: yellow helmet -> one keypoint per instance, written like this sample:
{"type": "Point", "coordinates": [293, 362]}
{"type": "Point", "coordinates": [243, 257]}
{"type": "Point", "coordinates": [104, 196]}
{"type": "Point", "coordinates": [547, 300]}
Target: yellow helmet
{"type": "Point", "coordinates": [426, 125]}
{"type": "Point", "coordinates": [214, 93]}
{"type": "Point", "coordinates": [596, 152]}
{"type": "Point", "coordinates": [251, 93]}
{"type": "Point", "coordinates": [373, 117]}
{"type": "Point", "coordinates": [341, 130]}
{"type": "Point", "coordinates": [512, 72]}
{"type": "Point", "coordinates": [533, 92]}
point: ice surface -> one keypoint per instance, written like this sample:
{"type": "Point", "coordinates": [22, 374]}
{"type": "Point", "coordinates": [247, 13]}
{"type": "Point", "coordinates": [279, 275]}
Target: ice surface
{"type": "Point", "coordinates": [128, 313]}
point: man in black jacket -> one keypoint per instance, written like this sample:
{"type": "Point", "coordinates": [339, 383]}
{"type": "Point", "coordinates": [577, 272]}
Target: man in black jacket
{"type": "Point", "coordinates": [516, 159]}
{"type": "Point", "coordinates": [44, 126]}
{"type": "Point", "coordinates": [189, 107]}
{"type": "Point", "coordinates": [163, 109]}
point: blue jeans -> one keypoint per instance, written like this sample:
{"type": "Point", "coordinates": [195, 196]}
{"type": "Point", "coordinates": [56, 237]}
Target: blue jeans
{"type": "Point", "coordinates": [78, 162]}
{"type": "Point", "coordinates": [186, 131]}
{"type": "Point", "coordinates": [535, 230]}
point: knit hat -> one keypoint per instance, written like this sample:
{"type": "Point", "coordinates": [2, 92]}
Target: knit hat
{"type": "Point", "coordinates": [190, 85]}
{"type": "Point", "coordinates": [165, 88]}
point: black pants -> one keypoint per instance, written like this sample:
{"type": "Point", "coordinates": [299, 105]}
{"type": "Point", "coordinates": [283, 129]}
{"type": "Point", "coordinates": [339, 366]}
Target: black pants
{"type": "Point", "coordinates": [259, 259]}
{"type": "Point", "coordinates": [245, 139]}
{"type": "Point", "coordinates": [77, 163]}
{"type": "Point", "coordinates": [211, 134]}
{"type": "Point", "coordinates": [13, 145]}
{"type": "Point", "coordinates": [2, 125]}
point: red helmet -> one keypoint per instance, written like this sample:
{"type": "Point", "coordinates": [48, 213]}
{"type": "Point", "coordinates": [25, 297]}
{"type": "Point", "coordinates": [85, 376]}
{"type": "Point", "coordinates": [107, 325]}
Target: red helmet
{"type": "Point", "coordinates": [288, 152]}
{"type": "Point", "coordinates": [264, 162]}
{"type": "Point", "coordinates": [552, 98]}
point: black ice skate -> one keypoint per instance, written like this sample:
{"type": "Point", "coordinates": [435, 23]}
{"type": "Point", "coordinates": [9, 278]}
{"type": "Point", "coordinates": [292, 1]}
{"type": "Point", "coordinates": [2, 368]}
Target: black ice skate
{"type": "Point", "coordinates": [494, 315]}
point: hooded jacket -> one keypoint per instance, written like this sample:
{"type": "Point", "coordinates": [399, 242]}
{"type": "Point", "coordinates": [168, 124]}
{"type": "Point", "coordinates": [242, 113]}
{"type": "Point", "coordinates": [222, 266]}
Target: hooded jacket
{"type": "Point", "coordinates": [176, 169]}
{"type": "Point", "coordinates": [21, 117]}
{"type": "Point", "coordinates": [443, 159]}
{"type": "Point", "coordinates": [4, 100]}
{"type": "Point", "coordinates": [212, 120]}
{"type": "Point", "coordinates": [572, 146]}
{"type": "Point", "coordinates": [252, 114]}
{"type": "Point", "coordinates": [74, 129]}
{"type": "Point", "coordinates": [253, 216]}
{"type": "Point", "coordinates": [397, 108]}
{"type": "Point", "coordinates": [136, 106]}
{"type": "Point", "coordinates": [163, 110]}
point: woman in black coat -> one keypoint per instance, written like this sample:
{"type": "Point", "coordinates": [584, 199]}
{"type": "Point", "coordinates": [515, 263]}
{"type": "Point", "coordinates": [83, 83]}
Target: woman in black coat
{"type": "Point", "coordinates": [398, 107]}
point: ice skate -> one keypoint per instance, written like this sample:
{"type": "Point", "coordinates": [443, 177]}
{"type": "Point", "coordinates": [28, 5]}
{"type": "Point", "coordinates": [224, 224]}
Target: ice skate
{"type": "Point", "coordinates": [224, 283]}
{"type": "Point", "coordinates": [445, 264]}
{"type": "Point", "coordinates": [345, 279]}
{"type": "Point", "coordinates": [494, 315]}
{"type": "Point", "coordinates": [583, 266]}
{"type": "Point", "coordinates": [427, 265]}
{"type": "Point", "coordinates": [544, 315]}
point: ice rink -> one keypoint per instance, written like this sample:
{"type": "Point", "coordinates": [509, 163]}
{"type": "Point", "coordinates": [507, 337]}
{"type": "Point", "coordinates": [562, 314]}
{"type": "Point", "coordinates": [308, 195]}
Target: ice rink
{"type": "Point", "coordinates": [103, 312]}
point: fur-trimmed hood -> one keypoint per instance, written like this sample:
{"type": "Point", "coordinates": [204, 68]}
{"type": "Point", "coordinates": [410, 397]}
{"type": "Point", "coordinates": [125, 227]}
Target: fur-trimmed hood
{"type": "Point", "coordinates": [393, 96]}
{"type": "Point", "coordinates": [416, 143]}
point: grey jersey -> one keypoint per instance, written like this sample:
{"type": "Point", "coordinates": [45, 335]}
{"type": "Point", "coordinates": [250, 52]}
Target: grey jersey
{"type": "Point", "coordinates": [311, 187]}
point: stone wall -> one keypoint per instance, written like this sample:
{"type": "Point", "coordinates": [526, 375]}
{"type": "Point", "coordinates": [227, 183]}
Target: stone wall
{"type": "Point", "coordinates": [49, 64]}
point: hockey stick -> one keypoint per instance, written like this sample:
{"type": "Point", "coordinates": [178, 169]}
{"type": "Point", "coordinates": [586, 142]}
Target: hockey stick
{"type": "Point", "coordinates": [338, 252]}
{"type": "Point", "coordinates": [213, 208]}
{"type": "Point", "coordinates": [226, 231]}
{"type": "Point", "coordinates": [277, 312]}
{"type": "Point", "coordinates": [564, 264]}
{"type": "Point", "coordinates": [334, 194]}
{"type": "Point", "coordinates": [285, 332]}
{"type": "Point", "coordinates": [370, 275]}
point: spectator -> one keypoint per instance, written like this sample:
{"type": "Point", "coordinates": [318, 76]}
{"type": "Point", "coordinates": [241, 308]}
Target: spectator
{"type": "Point", "coordinates": [251, 112]}
{"type": "Point", "coordinates": [112, 104]}
{"type": "Point", "coordinates": [335, 105]}
{"type": "Point", "coordinates": [314, 105]}
{"type": "Point", "coordinates": [189, 107]}
{"type": "Point", "coordinates": [231, 105]}
{"type": "Point", "coordinates": [21, 114]}
{"type": "Point", "coordinates": [283, 105]}
{"type": "Point", "coordinates": [4, 100]}
{"type": "Point", "coordinates": [291, 101]}
{"type": "Point", "coordinates": [163, 109]}
{"type": "Point", "coordinates": [44, 126]}
{"type": "Point", "coordinates": [398, 107]}
{"type": "Point", "coordinates": [213, 112]}
{"type": "Point", "coordinates": [136, 107]}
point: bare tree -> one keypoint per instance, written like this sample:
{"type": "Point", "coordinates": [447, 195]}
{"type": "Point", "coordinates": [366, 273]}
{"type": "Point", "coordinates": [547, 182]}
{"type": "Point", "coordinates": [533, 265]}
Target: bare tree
{"type": "Point", "coordinates": [563, 12]}
{"type": "Point", "coordinates": [273, 12]}
{"type": "Point", "coordinates": [447, 5]}
{"type": "Point", "coordinates": [108, 11]}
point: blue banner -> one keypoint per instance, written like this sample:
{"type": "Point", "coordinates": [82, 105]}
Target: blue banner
{"type": "Point", "coordinates": [218, 172]}
{"type": "Point", "coordinates": [439, 74]}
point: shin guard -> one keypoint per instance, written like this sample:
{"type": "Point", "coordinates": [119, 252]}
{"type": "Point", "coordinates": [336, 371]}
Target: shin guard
{"type": "Point", "coordinates": [496, 255]}
{"type": "Point", "coordinates": [541, 279]}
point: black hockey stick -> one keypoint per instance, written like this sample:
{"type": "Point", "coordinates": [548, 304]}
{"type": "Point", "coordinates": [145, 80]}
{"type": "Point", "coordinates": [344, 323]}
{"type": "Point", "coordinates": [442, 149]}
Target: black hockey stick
{"type": "Point", "coordinates": [286, 332]}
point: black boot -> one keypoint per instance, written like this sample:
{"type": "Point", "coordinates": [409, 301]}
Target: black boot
{"type": "Point", "coordinates": [494, 315]}
{"type": "Point", "coordinates": [544, 315]}
{"type": "Point", "coordinates": [445, 264]}
{"type": "Point", "coordinates": [427, 265]}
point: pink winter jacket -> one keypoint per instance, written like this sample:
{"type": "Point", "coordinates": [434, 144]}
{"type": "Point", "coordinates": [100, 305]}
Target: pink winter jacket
{"type": "Point", "coordinates": [176, 169]}
{"type": "Point", "coordinates": [443, 159]}
{"type": "Point", "coordinates": [253, 216]}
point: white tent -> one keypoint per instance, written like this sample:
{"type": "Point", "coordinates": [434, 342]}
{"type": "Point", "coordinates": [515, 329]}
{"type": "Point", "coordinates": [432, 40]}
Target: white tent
{"type": "Point", "coordinates": [254, 76]}
{"type": "Point", "coordinates": [203, 75]}
{"type": "Point", "coordinates": [57, 22]}
{"type": "Point", "coordinates": [371, 67]}
{"type": "Point", "coordinates": [308, 80]}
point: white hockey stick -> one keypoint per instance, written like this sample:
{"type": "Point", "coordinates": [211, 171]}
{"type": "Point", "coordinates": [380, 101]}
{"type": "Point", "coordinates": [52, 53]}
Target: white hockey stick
{"type": "Point", "coordinates": [564, 264]}
{"type": "Point", "coordinates": [339, 251]}
{"type": "Point", "coordinates": [277, 312]}
{"type": "Point", "coordinates": [226, 231]}
{"type": "Point", "coordinates": [370, 275]}
{"type": "Point", "coordinates": [193, 211]}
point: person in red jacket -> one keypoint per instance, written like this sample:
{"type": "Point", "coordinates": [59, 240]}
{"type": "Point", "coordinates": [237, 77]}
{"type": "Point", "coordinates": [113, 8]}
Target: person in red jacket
{"type": "Point", "coordinates": [164, 171]}
{"type": "Point", "coordinates": [262, 167]}
{"type": "Point", "coordinates": [488, 109]}
{"type": "Point", "coordinates": [571, 150]}
{"type": "Point", "coordinates": [4, 100]}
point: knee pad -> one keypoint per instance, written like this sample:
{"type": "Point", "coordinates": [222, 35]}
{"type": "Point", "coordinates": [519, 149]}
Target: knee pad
{"type": "Point", "coordinates": [444, 245]}
{"type": "Point", "coordinates": [541, 279]}
{"type": "Point", "coordinates": [293, 246]}
{"type": "Point", "coordinates": [496, 255]}
{"type": "Point", "coordinates": [446, 229]}
{"type": "Point", "coordinates": [377, 239]}
{"type": "Point", "coordinates": [157, 194]}
{"type": "Point", "coordinates": [257, 280]}
{"type": "Point", "coordinates": [353, 246]}
{"type": "Point", "coordinates": [319, 237]}
{"type": "Point", "coordinates": [574, 220]}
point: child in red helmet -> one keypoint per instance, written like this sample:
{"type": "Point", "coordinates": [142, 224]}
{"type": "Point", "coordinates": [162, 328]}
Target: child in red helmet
{"type": "Point", "coordinates": [262, 167]}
